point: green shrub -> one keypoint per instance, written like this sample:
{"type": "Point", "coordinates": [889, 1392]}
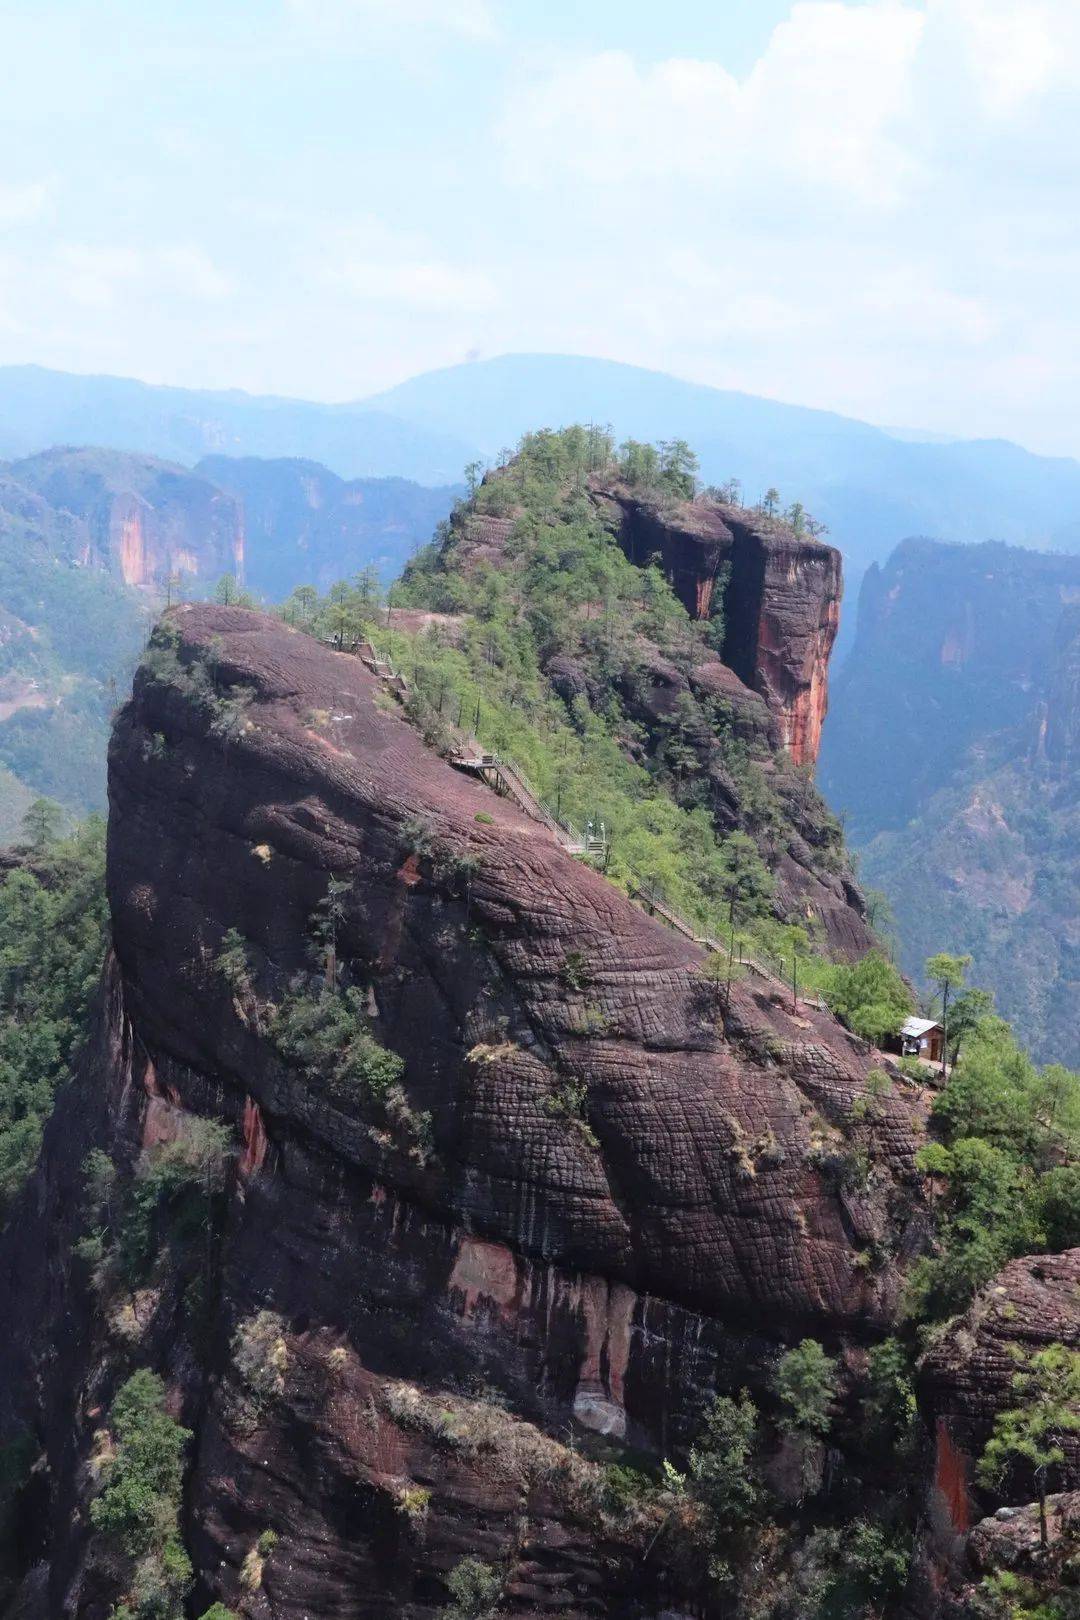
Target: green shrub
{"type": "Point", "coordinates": [622, 1489]}
{"type": "Point", "coordinates": [171, 1198]}
{"type": "Point", "coordinates": [574, 972]}
{"type": "Point", "coordinates": [988, 1214]}
{"type": "Point", "coordinates": [232, 961]}
{"type": "Point", "coordinates": [805, 1385]}
{"type": "Point", "coordinates": [870, 996]}
{"type": "Point", "coordinates": [721, 1464]}
{"type": "Point", "coordinates": [140, 1499]}
{"type": "Point", "coordinates": [857, 1569]}
{"type": "Point", "coordinates": [475, 1589]}
{"type": "Point", "coordinates": [890, 1407]}
{"type": "Point", "coordinates": [868, 1106]}
{"type": "Point", "coordinates": [261, 1358]}
{"type": "Point", "coordinates": [325, 1033]}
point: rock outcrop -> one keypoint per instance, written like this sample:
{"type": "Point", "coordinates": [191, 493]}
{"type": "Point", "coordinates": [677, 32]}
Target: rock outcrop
{"type": "Point", "coordinates": [779, 593]}
{"type": "Point", "coordinates": [967, 1376]}
{"type": "Point", "coordinates": [139, 519]}
{"type": "Point", "coordinates": [776, 596]}
{"type": "Point", "coordinates": [597, 1199]}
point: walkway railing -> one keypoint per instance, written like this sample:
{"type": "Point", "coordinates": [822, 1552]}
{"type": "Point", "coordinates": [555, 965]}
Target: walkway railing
{"type": "Point", "coordinates": [660, 908]}
{"type": "Point", "coordinates": [507, 779]}
{"type": "Point", "coordinates": [510, 781]}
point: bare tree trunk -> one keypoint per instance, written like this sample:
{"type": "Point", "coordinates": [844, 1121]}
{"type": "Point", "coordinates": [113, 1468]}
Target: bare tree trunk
{"type": "Point", "coordinates": [1040, 1477]}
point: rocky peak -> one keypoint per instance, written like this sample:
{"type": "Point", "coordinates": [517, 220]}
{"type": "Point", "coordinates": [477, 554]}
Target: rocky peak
{"type": "Point", "coordinates": [594, 1194]}
{"type": "Point", "coordinates": [779, 593]}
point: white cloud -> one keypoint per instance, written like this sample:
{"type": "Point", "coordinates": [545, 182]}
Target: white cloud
{"type": "Point", "coordinates": [1011, 50]}
{"type": "Point", "coordinates": [20, 203]}
{"type": "Point", "coordinates": [611, 121]}
{"type": "Point", "coordinates": [815, 110]}
{"type": "Point", "coordinates": [193, 271]}
{"type": "Point", "coordinates": [910, 299]}
{"type": "Point", "coordinates": [432, 286]}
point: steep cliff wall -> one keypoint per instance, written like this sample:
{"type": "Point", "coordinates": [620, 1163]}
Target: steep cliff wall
{"type": "Point", "coordinates": [779, 594]}
{"type": "Point", "coordinates": [144, 520]}
{"type": "Point", "coordinates": [952, 643]}
{"type": "Point", "coordinates": [597, 1200]}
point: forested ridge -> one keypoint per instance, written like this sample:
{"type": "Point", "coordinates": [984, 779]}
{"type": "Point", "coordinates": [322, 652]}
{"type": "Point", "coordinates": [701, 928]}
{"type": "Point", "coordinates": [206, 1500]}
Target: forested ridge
{"type": "Point", "coordinates": [801, 1498]}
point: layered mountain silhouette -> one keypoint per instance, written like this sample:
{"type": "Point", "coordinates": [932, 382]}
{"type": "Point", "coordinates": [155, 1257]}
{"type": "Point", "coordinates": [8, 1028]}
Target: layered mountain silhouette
{"type": "Point", "coordinates": [871, 486]}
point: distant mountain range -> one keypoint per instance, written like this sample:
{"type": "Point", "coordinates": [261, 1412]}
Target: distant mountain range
{"type": "Point", "coordinates": [953, 748]}
{"type": "Point", "coordinates": [89, 539]}
{"type": "Point", "coordinates": [305, 525]}
{"type": "Point", "coordinates": [871, 486]}
{"type": "Point", "coordinates": [40, 409]}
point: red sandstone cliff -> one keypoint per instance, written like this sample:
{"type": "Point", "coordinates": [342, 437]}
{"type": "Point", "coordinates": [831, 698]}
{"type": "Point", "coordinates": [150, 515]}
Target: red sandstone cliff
{"type": "Point", "coordinates": [141, 519]}
{"type": "Point", "coordinates": [781, 598]}
{"type": "Point", "coordinates": [601, 1276]}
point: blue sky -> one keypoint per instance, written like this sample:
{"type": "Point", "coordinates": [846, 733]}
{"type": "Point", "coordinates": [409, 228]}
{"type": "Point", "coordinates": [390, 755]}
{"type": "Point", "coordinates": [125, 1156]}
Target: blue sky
{"type": "Point", "coordinates": [861, 204]}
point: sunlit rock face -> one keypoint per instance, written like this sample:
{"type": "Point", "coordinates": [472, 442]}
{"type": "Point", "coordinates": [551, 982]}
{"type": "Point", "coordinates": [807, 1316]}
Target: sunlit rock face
{"type": "Point", "coordinates": [779, 593]}
{"type": "Point", "coordinates": [142, 520]}
{"type": "Point", "coordinates": [608, 1269]}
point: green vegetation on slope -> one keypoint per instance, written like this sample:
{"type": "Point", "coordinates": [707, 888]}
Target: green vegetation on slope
{"type": "Point", "coordinates": [69, 637]}
{"type": "Point", "coordinates": [560, 591]}
{"type": "Point", "coordinates": [52, 941]}
{"type": "Point", "coordinates": [139, 1506]}
{"type": "Point", "coordinates": [1006, 1168]}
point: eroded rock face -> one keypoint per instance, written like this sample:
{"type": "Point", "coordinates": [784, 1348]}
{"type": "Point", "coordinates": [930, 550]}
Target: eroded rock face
{"type": "Point", "coordinates": [967, 1376]}
{"type": "Point", "coordinates": [612, 1270]}
{"type": "Point", "coordinates": [330, 783]}
{"type": "Point", "coordinates": [141, 519]}
{"type": "Point", "coordinates": [781, 597]}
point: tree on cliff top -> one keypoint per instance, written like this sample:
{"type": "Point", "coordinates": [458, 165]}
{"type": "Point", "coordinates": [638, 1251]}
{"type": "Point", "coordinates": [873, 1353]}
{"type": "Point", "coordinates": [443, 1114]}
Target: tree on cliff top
{"type": "Point", "coordinates": [42, 823]}
{"type": "Point", "coordinates": [870, 996]}
{"type": "Point", "coordinates": [948, 974]}
{"type": "Point", "coordinates": [1032, 1432]}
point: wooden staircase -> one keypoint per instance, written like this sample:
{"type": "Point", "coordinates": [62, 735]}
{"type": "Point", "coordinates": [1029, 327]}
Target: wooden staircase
{"type": "Point", "coordinates": [504, 777]}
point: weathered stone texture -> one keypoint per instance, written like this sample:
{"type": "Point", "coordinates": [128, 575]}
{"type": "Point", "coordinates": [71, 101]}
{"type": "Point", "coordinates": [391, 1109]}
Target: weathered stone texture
{"type": "Point", "coordinates": [614, 1277]}
{"type": "Point", "coordinates": [781, 598]}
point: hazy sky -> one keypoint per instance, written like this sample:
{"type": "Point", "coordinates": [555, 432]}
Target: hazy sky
{"type": "Point", "coordinates": [869, 205]}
